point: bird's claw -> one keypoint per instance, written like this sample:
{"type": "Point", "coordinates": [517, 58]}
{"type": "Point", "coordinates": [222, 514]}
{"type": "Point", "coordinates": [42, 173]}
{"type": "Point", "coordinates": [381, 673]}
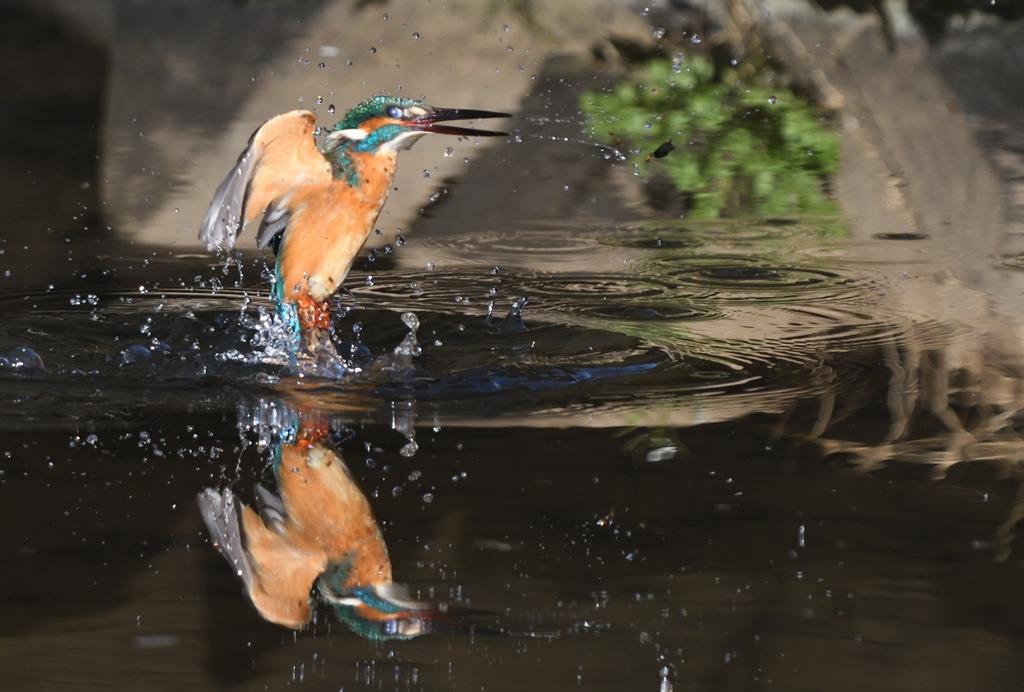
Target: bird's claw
{"type": "Point", "coordinates": [313, 314]}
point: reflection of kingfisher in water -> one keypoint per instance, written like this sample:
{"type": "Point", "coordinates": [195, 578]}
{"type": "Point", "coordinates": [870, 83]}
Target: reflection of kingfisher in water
{"type": "Point", "coordinates": [320, 205]}
{"type": "Point", "coordinates": [320, 531]}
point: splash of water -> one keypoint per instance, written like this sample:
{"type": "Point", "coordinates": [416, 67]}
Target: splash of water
{"type": "Point", "coordinates": [399, 365]}
{"type": "Point", "coordinates": [608, 151]}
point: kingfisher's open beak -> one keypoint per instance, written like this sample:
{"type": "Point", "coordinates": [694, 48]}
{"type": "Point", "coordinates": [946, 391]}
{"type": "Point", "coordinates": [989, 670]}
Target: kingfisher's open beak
{"type": "Point", "coordinates": [429, 122]}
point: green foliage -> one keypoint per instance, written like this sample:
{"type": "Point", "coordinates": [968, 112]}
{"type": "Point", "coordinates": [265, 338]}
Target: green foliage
{"type": "Point", "coordinates": [741, 148]}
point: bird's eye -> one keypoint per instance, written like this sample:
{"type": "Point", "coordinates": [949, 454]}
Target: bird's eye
{"type": "Point", "coordinates": [394, 112]}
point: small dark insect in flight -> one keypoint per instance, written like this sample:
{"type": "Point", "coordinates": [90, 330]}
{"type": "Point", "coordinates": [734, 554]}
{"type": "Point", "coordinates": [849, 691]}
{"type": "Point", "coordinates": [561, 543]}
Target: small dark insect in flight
{"type": "Point", "coordinates": [663, 150]}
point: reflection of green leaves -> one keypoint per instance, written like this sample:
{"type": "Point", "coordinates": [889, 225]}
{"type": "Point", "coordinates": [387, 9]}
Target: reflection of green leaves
{"type": "Point", "coordinates": [740, 148]}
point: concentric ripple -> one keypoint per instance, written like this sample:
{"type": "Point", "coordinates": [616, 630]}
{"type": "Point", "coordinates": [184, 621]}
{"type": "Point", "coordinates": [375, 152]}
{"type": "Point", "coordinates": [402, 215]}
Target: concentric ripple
{"type": "Point", "coordinates": [751, 278]}
{"type": "Point", "coordinates": [549, 244]}
{"type": "Point", "coordinates": [727, 318]}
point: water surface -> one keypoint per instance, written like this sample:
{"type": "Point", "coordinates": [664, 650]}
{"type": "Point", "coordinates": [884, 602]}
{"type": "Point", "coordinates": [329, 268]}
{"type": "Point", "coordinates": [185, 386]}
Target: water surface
{"type": "Point", "coordinates": [632, 467]}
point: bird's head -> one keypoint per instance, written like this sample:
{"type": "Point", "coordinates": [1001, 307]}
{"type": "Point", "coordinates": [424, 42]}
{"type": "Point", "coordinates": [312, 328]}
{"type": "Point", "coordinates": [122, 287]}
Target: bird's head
{"type": "Point", "coordinates": [384, 124]}
{"type": "Point", "coordinates": [381, 611]}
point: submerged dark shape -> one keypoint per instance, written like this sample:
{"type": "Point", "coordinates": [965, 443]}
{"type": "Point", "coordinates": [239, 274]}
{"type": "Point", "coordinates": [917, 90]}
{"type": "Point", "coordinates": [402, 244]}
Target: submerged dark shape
{"type": "Point", "coordinates": [318, 206]}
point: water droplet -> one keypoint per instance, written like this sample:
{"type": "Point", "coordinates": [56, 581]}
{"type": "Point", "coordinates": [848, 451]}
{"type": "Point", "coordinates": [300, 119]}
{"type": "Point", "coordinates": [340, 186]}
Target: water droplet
{"type": "Point", "coordinates": [428, 498]}
{"type": "Point", "coordinates": [373, 50]}
{"type": "Point", "coordinates": [415, 34]}
{"type": "Point", "coordinates": [22, 359]}
{"type": "Point", "coordinates": [772, 99]}
{"type": "Point", "coordinates": [426, 173]}
{"type": "Point", "coordinates": [330, 108]}
{"type": "Point", "coordinates": [410, 320]}
{"type": "Point", "coordinates": [136, 353]}
{"type": "Point", "coordinates": [321, 66]}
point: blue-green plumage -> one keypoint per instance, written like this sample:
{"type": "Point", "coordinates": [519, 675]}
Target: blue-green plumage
{"type": "Point", "coordinates": [318, 206]}
{"type": "Point", "coordinates": [380, 612]}
{"type": "Point", "coordinates": [375, 107]}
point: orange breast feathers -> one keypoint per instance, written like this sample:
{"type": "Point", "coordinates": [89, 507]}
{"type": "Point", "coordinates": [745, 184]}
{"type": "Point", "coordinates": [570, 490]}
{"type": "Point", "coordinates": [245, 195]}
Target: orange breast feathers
{"type": "Point", "coordinates": [328, 225]}
{"type": "Point", "coordinates": [326, 521]}
{"type": "Point", "coordinates": [329, 514]}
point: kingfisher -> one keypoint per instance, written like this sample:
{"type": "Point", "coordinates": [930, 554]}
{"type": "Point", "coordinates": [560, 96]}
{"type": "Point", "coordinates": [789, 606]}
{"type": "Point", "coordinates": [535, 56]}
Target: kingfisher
{"type": "Point", "coordinates": [319, 205]}
{"type": "Point", "coordinates": [318, 537]}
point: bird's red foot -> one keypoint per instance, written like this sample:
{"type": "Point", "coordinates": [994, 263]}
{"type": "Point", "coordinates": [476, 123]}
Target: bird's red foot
{"type": "Point", "coordinates": [313, 314]}
{"type": "Point", "coordinates": [310, 433]}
